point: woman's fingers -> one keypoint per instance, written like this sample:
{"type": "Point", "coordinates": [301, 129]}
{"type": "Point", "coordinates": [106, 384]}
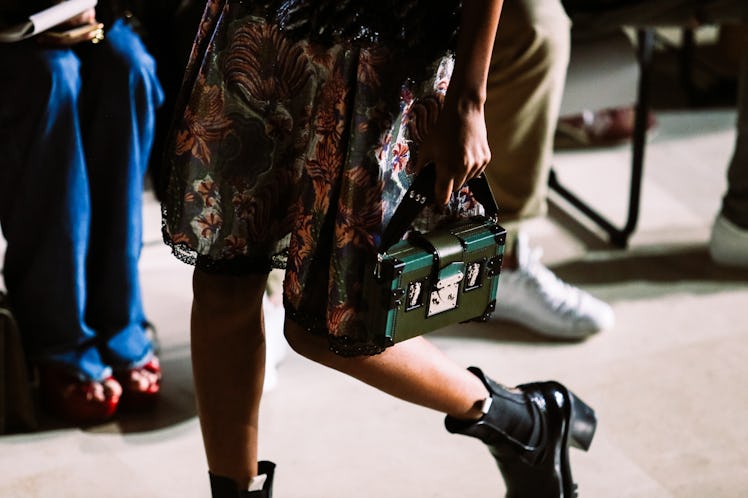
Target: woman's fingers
{"type": "Point", "coordinates": [457, 145]}
{"type": "Point", "coordinates": [77, 29]}
{"type": "Point", "coordinates": [87, 32]}
{"type": "Point", "coordinates": [87, 17]}
{"type": "Point", "coordinates": [449, 180]}
{"type": "Point", "coordinates": [443, 189]}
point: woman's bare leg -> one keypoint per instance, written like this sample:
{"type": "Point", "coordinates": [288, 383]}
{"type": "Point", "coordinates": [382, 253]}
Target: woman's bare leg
{"type": "Point", "coordinates": [228, 361]}
{"type": "Point", "coordinates": [413, 370]}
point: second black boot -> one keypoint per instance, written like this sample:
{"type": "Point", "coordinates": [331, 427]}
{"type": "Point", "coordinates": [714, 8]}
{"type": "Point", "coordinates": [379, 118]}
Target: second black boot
{"type": "Point", "coordinates": [224, 487]}
{"type": "Point", "coordinates": [528, 431]}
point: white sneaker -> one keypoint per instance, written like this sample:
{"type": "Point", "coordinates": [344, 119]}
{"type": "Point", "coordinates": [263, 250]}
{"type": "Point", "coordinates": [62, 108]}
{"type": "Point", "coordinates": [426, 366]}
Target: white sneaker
{"type": "Point", "coordinates": [533, 296]}
{"type": "Point", "coordinates": [275, 342]}
{"type": "Point", "coordinates": [729, 243]}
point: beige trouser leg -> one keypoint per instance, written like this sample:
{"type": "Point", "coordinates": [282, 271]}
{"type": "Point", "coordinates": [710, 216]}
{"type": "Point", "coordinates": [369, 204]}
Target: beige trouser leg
{"type": "Point", "coordinates": [526, 80]}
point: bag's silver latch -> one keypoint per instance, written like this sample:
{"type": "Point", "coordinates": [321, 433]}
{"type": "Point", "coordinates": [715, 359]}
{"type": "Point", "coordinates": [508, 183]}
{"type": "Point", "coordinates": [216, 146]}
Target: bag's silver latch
{"type": "Point", "coordinates": [445, 292]}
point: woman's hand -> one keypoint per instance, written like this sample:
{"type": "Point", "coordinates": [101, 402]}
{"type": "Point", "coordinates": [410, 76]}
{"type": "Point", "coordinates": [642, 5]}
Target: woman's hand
{"type": "Point", "coordinates": [457, 145]}
{"type": "Point", "coordinates": [81, 28]}
{"type": "Point", "coordinates": [87, 17]}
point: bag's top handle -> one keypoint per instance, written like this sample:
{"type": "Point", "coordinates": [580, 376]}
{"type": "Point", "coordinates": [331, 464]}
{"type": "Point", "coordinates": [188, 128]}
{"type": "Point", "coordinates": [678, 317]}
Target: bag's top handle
{"type": "Point", "coordinates": [420, 193]}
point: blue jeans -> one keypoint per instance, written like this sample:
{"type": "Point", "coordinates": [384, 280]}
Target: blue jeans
{"type": "Point", "coordinates": [76, 129]}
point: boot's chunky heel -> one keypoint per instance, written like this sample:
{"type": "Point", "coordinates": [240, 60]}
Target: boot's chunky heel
{"type": "Point", "coordinates": [539, 467]}
{"type": "Point", "coordinates": [224, 487]}
{"type": "Point", "coordinates": [582, 424]}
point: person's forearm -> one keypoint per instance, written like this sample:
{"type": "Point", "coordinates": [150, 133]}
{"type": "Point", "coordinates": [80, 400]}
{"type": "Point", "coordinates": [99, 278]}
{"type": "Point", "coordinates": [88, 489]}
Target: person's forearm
{"type": "Point", "coordinates": [458, 142]}
{"type": "Point", "coordinates": [480, 19]}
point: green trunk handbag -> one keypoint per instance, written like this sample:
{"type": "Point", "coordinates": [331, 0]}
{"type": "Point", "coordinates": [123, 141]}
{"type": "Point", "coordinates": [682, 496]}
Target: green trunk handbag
{"type": "Point", "coordinates": [432, 280]}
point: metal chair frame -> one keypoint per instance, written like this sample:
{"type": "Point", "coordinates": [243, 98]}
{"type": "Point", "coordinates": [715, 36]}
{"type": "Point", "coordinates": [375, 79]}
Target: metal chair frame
{"type": "Point", "coordinates": [619, 236]}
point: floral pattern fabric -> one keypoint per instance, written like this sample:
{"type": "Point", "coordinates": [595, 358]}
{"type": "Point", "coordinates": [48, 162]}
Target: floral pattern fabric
{"type": "Point", "coordinates": [293, 154]}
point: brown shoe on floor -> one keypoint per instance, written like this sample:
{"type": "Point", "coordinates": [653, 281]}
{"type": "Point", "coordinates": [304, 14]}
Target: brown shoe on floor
{"type": "Point", "coordinates": [601, 128]}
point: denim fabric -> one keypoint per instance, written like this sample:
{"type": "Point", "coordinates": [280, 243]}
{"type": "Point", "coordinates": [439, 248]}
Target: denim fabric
{"type": "Point", "coordinates": [76, 129]}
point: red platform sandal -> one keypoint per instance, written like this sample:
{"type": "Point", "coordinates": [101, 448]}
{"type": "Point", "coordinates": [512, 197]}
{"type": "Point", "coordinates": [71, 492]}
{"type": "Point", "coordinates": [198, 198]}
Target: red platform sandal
{"type": "Point", "coordinates": [141, 385]}
{"type": "Point", "coordinates": [78, 401]}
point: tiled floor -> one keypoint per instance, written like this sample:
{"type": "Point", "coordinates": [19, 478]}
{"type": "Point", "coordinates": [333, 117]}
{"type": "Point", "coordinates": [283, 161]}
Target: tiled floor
{"type": "Point", "coordinates": [668, 381]}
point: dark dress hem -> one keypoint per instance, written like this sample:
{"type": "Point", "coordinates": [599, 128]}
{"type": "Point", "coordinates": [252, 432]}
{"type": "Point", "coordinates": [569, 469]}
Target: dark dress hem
{"type": "Point", "coordinates": [343, 345]}
{"type": "Point", "coordinates": [236, 266]}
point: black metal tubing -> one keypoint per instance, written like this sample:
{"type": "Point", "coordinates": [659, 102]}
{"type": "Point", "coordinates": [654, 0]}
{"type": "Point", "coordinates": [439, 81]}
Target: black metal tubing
{"type": "Point", "coordinates": [619, 237]}
{"type": "Point", "coordinates": [686, 62]}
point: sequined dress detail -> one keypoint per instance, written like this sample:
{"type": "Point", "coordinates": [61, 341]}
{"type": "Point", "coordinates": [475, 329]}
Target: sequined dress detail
{"type": "Point", "coordinates": [294, 140]}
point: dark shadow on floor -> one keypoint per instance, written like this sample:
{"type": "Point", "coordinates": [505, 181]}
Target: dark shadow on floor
{"type": "Point", "coordinates": [660, 270]}
{"type": "Point", "coordinates": [661, 264]}
{"type": "Point", "coordinates": [498, 331]}
{"type": "Point", "coordinates": [578, 226]}
{"type": "Point", "coordinates": [177, 403]}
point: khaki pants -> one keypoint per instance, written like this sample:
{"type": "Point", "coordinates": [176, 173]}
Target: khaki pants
{"type": "Point", "coordinates": [526, 81]}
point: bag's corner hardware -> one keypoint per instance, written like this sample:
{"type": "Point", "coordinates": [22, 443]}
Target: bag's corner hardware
{"type": "Point", "coordinates": [488, 313]}
{"type": "Point", "coordinates": [388, 269]}
{"type": "Point", "coordinates": [493, 265]}
{"type": "Point", "coordinates": [395, 298]}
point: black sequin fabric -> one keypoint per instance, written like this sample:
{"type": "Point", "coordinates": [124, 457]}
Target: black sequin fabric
{"type": "Point", "coordinates": [416, 26]}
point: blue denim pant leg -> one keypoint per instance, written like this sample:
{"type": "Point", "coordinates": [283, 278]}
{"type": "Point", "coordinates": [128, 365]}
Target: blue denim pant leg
{"type": "Point", "coordinates": [45, 206]}
{"type": "Point", "coordinates": [119, 99]}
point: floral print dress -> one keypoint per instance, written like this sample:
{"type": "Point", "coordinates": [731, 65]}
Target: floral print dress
{"type": "Point", "coordinates": [293, 154]}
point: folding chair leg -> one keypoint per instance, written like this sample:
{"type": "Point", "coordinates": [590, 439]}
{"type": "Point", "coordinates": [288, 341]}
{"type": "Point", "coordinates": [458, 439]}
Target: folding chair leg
{"type": "Point", "coordinates": [619, 237]}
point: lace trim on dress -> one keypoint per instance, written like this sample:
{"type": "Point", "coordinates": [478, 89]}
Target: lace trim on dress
{"type": "Point", "coordinates": [237, 265]}
{"type": "Point", "coordinates": [340, 345]}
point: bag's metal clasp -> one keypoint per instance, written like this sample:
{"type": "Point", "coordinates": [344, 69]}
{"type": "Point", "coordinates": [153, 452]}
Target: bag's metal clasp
{"type": "Point", "coordinates": [378, 266]}
{"type": "Point", "coordinates": [444, 294]}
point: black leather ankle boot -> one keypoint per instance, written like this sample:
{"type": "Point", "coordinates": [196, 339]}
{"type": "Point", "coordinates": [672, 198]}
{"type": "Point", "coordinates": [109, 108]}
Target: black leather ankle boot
{"type": "Point", "coordinates": [224, 487]}
{"type": "Point", "coordinates": [538, 467]}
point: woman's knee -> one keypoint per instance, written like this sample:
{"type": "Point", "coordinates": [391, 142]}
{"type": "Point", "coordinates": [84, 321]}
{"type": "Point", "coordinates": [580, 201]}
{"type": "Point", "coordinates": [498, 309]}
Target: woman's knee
{"type": "Point", "coordinates": [303, 342]}
{"type": "Point", "coordinates": [296, 337]}
{"type": "Point", "coordinates": [218, 293]}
